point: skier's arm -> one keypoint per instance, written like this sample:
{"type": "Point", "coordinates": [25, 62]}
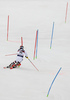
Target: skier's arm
{"type": "Point", "coordinates": [26, 55]}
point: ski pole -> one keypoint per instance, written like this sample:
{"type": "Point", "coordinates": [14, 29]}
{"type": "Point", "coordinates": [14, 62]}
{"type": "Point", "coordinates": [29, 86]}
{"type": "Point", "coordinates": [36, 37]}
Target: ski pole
{"type": "Point", "coordinates": [33, 64]}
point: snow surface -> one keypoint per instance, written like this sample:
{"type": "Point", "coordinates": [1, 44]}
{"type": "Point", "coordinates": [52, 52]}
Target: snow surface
{"type": "Point", "coordinates": [26, 16]}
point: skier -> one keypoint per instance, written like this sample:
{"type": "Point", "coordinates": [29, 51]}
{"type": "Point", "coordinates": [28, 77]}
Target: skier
{"type": "Point", "coordinates": [20, 54]}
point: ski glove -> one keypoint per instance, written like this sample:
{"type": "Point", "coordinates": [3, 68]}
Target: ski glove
{"type": "Point", "coordinates": [26, 57]}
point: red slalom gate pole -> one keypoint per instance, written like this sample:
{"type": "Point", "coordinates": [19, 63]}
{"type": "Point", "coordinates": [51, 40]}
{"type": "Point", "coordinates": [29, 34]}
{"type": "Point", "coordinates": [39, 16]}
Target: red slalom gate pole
{"type": "Point", "coordinates": [7, 27]}
{"type": "Point", "coordinates": [33, 64]}
{"type": "Point", "coordinates": [11, 54]}
{"type": "Point", "coordinates": [35, 45]}
{"type": "Point", "coordinates": [21, 41]}
{"type": "Point", "coordinates": [66, 12]}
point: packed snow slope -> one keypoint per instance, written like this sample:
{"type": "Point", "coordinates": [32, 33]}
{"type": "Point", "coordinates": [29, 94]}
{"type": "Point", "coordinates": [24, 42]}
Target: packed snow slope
{"type": "Point", "coordinates": [25, 17]}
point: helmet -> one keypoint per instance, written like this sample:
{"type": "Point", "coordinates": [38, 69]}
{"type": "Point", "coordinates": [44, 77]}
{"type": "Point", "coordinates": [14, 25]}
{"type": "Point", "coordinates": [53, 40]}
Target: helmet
{"type": "Point", "coordinates": [21, 47]}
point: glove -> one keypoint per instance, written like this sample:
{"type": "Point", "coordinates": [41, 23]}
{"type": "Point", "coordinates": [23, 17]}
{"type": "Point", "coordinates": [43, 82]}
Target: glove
{"type": "Point", "coordinates": [26, 57]}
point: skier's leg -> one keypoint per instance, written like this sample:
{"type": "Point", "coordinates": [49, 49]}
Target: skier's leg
{"type": "Point", "coordinates": [11, 64]}
{"type": "Point", "coordinates": [17, 64]}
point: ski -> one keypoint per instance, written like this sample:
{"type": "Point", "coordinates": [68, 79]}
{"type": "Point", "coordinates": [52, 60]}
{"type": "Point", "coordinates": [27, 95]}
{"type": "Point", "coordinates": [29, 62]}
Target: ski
{"type": "Point", "coordinates": [4, 67]}
{"type": "Point", "coordinates": [12, 66]}
{"type": "Point", "coordinates": [15, 65]}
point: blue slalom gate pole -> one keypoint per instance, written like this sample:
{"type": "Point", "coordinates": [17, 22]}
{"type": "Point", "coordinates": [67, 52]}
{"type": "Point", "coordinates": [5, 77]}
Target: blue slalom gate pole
{"type": "Point", "coordinates": [37, 44]}
{"type": "Point", "coordinates": [52, 35]}
{"type": "Point", "coordinates": [53, 80]}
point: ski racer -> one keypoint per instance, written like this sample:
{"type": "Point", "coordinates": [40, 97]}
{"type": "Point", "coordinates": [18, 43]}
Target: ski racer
{"type": "Point", "coordinates": [20, 54]}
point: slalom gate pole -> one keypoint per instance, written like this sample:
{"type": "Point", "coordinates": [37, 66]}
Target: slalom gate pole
{"type": "Point", "coordinates": [52, 35]}
{"type": "Point", "coordinates": [21, 41]}
{"type": "Point", "coordinates": [7, 27]}
{"type": "Point", "coordinates": [66, 12]}
{"type": "Point", "coordinates": [33, 64]}
{"type": "Point", "coordinates": [11, 54]}
{"type": "Point", "coordinates": [53, 80]}
{"type": "Point", "coordinates": [37, 44]}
